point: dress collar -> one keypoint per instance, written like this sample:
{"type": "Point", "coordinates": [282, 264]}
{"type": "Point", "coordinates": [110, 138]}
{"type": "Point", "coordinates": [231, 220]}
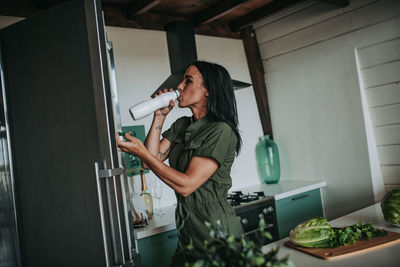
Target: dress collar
{"type": "Point", "coordinates": [194, 126]}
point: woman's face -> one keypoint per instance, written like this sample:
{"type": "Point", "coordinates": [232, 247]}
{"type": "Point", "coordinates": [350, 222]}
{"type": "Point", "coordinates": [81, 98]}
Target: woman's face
{"type": "Point", "coordinates": [192, 90]}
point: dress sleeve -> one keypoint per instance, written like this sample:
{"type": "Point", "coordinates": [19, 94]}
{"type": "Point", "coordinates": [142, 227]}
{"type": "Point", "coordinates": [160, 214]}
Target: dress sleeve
{"type": "Point", "coordinates": [172, 132]}
{"type": "Point", "coordinates": [217, 143]}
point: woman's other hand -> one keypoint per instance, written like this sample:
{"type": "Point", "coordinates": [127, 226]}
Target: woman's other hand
{"type": "Point", "coordinates": [166, 110]}
{"type": "Point", "coordinates": [132, 146]}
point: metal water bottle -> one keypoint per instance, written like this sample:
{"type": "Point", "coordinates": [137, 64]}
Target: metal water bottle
{"type": "Point", "coordinates": [145, 108]}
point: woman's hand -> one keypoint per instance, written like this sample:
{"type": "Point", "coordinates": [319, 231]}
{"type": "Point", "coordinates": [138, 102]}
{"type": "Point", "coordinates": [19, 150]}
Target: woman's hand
{"type": "Point", "coordinates": [164, 111]}
{"type": "Point", "coordinates": [132, 146]}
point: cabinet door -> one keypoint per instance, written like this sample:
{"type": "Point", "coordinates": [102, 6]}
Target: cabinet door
{"type": "Point", "coordinates": [157, 250]}
{"type": "Point", "coordinates": [296, 209]}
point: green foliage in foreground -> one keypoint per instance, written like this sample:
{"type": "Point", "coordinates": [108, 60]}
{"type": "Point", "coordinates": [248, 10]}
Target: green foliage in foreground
{"type": "Point", "coordinates": [227, 250]}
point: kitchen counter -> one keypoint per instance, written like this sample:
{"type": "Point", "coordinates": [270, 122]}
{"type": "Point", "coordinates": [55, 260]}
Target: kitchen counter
{"type": "Point", "coordinates": [382, 257]}
{"type": "Point", "coordinates": [285, 189]}
{"type": "Point", "coordinates": [158, 224]}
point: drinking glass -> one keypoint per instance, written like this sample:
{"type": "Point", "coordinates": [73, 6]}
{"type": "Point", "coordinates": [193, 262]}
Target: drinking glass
{"type": "Point", "coordinates": [158, 194]}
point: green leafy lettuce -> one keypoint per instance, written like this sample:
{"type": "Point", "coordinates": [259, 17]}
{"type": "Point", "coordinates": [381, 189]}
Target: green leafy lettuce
{"type": "Point", "coordinates": [312, 233]}
{"type": "Point", "coordinates": [317, 233]}
{"type": "Point", "coordinates": [391, 206]}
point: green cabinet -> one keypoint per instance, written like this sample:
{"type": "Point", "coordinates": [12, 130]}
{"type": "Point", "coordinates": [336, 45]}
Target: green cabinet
{"type": "Point", "coordinates": [296, 209]}
{"type": "Point", "coordinates": [157, 250]}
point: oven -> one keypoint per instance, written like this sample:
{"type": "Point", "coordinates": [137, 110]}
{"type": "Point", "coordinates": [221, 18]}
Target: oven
{"type": "Point", "coordinates": [250, 208]}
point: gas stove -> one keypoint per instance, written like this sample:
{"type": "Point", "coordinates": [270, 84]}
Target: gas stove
{"type": "Point", "coordinates": [250, 208]}
{"type": "Point", "coordinates": [237, 198]}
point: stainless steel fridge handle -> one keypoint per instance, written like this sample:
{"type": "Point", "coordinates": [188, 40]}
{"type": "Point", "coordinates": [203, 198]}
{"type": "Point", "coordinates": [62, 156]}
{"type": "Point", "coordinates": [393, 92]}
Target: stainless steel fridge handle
{"type": "Point", "coordinates": [119, 258]}
{"type": "Point", "coordinates": [108, 173]}
{"type": "Point", "coordinates": [102, 218]}
{"type": "Point", "coordinates": [103, 174]}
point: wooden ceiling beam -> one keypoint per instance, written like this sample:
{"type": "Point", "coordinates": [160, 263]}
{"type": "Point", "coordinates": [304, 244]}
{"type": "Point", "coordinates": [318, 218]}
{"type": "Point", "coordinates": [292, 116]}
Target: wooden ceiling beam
{"type": "Point", "coordinates": [257, 75]}
{"type": "Point", "coordinates": [217, 29]}
{"type": "Point", "coordinates": [115, 16]}
{"type": "Point", "coordinates": [218, 10]}
{"type": "Point", "coordinates": [340, 3]}
{"type": "Point", "coordinates": [250, 18]}
{"type": "Point", "coordinates": [139, 7]}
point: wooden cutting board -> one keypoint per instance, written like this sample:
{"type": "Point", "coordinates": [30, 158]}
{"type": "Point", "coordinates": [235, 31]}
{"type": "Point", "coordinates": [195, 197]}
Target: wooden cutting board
{"type": "Point", "coordinates": [358, 247]}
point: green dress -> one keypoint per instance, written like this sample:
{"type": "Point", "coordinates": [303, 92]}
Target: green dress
{"type": "Point", "coordinates": [203, 138]}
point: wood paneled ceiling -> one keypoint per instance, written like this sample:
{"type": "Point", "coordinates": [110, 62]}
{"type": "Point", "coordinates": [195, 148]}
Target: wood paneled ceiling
{"type": "Point", "coordinates": [223, 18]}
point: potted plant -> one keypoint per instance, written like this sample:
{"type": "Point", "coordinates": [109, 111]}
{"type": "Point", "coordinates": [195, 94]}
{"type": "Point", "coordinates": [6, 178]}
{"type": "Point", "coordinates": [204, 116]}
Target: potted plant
{"type": "Point", "coordinates": [227, 250]}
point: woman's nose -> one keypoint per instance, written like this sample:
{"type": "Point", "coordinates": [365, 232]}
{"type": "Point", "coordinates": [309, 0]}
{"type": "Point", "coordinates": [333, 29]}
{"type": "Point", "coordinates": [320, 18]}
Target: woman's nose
{"type": "Point", "coordinates": [180, 86]}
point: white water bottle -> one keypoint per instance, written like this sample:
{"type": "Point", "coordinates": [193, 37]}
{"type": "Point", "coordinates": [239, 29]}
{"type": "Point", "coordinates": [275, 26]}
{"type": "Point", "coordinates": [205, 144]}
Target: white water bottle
{"type": "Point", "coordinates": [147, 107]}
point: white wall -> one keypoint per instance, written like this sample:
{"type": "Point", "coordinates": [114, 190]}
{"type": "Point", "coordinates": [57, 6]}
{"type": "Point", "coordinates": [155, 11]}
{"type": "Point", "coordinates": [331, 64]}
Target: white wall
{"type": "Point", "coordinates": [142, 64]}
{"type": "Point", "coordinates": [315, 94]}
{"type": "Point", "coordinates": [379, 65]}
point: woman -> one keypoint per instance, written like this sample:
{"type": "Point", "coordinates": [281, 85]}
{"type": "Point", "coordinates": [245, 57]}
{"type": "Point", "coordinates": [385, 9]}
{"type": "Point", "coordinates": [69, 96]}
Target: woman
{"type": "Point", "coordinates": [201, 150]}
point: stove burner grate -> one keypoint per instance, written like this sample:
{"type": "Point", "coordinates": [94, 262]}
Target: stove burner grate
{"type": "Point", "coordinates": [237, 198]}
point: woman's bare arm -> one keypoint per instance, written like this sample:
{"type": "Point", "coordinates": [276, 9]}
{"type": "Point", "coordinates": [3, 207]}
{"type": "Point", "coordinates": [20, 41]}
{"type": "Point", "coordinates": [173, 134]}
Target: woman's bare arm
{"type": "Point", "coordinates": [158, 148]}
{"type": "Point", "coordinates": [199, 170]}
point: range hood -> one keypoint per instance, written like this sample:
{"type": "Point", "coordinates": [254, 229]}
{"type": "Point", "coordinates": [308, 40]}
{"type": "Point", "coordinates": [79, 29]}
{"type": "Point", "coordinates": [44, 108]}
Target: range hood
{"type": "Point", "coordinates": [182, 51]}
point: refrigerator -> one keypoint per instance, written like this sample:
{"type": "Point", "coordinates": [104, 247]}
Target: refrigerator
{"type": "Point", "coordinates": [62, 190]}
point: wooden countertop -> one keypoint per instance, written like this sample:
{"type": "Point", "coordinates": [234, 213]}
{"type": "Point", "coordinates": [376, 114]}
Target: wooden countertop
{"type": "Point", "coordinates": [387, 256]}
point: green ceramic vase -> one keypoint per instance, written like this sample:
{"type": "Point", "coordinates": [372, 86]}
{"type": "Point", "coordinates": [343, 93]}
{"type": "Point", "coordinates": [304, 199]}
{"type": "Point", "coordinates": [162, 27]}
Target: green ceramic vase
{"type": "Point", "coordinates": [267, 157]}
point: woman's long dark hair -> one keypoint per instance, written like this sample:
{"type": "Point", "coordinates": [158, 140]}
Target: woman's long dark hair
{"type": "Point", "coordinates": [221, 102]}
